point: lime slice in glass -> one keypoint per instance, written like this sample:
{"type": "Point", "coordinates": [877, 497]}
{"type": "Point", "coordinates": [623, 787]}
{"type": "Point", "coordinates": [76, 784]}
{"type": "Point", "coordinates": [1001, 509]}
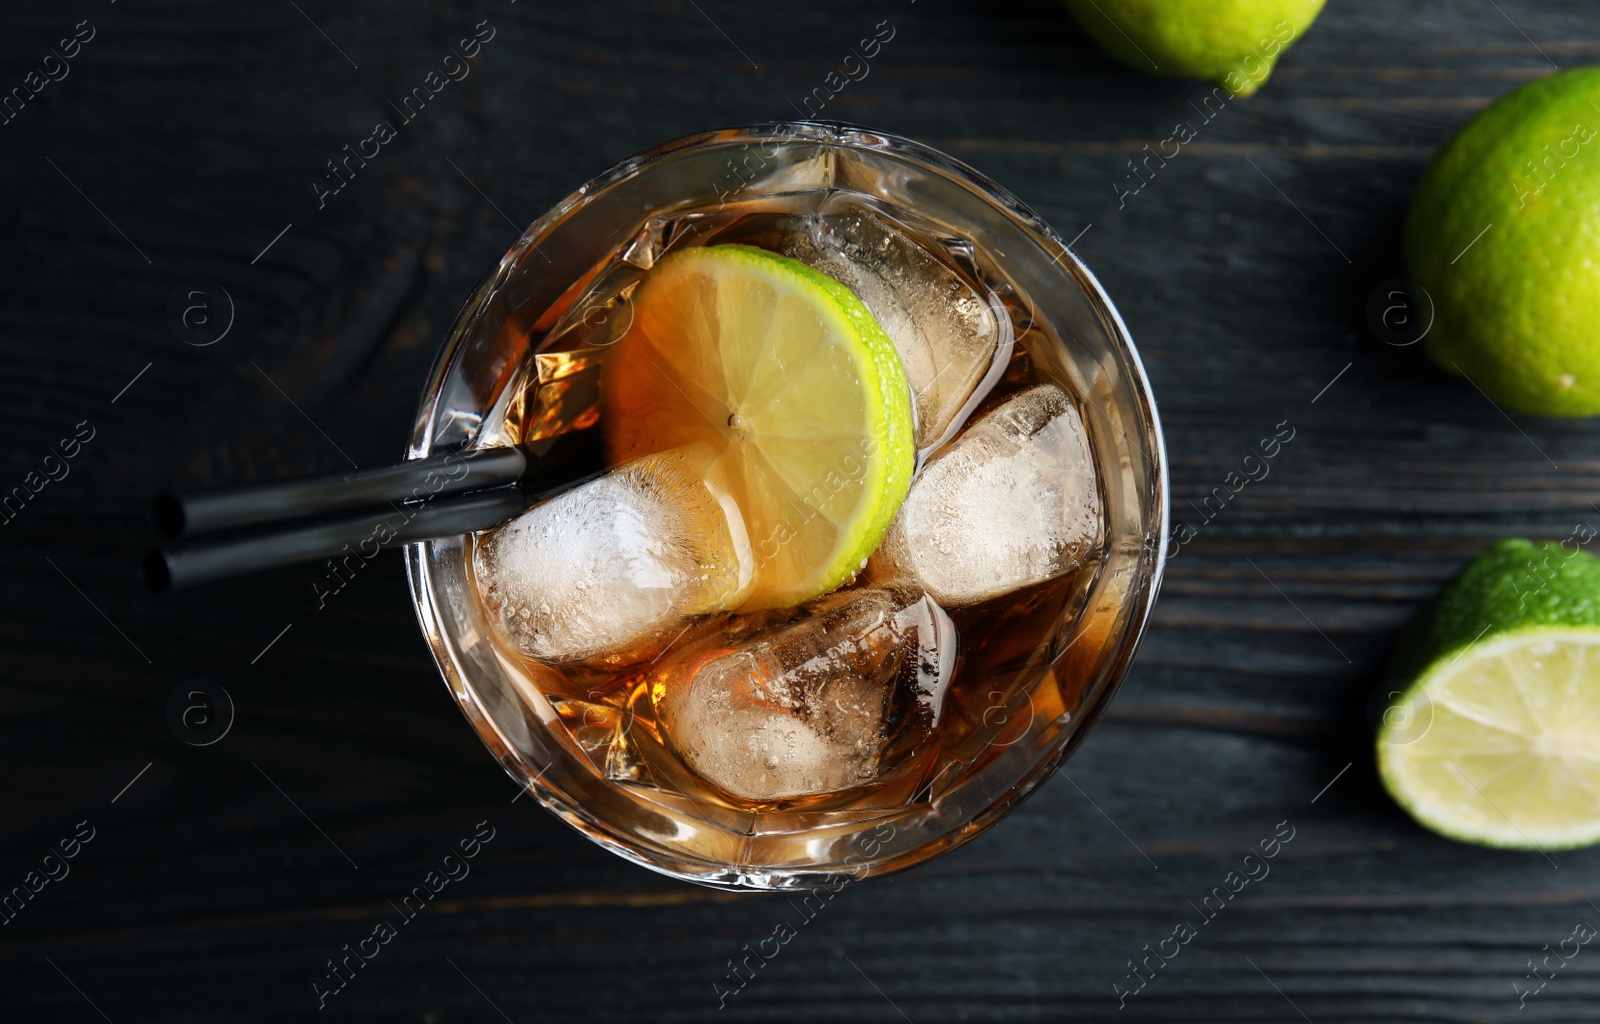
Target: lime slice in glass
{"type": "Point", "coordinates": [786, 375]}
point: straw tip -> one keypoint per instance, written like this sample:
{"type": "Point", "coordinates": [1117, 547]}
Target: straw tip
{"type": "Point", "coordinates": [157, 575]}
{"type": "Point", "coordinates": [167, 511]}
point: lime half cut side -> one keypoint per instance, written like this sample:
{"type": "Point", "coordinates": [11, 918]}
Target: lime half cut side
{"type": "Point", "coordinates": [1500, 744]}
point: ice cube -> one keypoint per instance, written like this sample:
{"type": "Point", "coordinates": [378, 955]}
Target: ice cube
{"type": "Point", "coordinates": [617, 563]}
{"type": "Point", "coordinates": [953, 342]}
{"type": "Point", "coordinates": [1013, 502]}
{"type": "Point", "coordinates": [810, 707]}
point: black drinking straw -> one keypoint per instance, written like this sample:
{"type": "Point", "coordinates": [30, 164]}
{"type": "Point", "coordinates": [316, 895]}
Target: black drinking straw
{"type": "Point", "coordinates": [271, 525]}
{"type": "Point", "coordinates": [361, 535]}
{"type": "Point", "coordinates": [179, 515]}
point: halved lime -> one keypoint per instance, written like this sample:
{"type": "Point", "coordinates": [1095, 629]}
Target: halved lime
{"type": "Point", "coordinates": [1497, 741]}
{"type": "Point", "coordinates": [785, 373]}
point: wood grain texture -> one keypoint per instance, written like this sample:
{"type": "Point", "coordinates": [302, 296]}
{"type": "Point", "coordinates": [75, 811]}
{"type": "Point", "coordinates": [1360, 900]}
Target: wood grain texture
{"type": "Point", "coordinates": [194, 131]}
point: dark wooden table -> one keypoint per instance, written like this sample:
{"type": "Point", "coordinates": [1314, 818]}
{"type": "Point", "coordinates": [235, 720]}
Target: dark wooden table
{"type": "Point", "coordinates": [180, 152]}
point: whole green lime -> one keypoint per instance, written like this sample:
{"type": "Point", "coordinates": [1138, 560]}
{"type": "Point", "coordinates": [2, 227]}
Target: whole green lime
{"type": "Point", "coordinates": [1492, 730]}
{"type": "Point", "coordinates": [1234, 43]}
{"type": "Point", "coordinates": [1504, 234]}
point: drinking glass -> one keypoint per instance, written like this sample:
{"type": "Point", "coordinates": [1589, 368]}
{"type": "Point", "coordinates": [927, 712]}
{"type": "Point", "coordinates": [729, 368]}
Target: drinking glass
{"type": "Point", "coordinates": [1069, 328]}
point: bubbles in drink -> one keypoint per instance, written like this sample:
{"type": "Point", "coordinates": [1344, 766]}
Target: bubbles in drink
{"type": "Point", "coordinates": [1013, 502]}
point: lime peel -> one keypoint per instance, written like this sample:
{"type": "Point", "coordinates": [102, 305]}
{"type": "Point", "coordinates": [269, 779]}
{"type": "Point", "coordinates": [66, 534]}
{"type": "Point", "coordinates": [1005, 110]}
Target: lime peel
{"type": "Point", "coordinates": [1235, 43]}
{"type": "Point", "coordinates": [1504, 235]}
